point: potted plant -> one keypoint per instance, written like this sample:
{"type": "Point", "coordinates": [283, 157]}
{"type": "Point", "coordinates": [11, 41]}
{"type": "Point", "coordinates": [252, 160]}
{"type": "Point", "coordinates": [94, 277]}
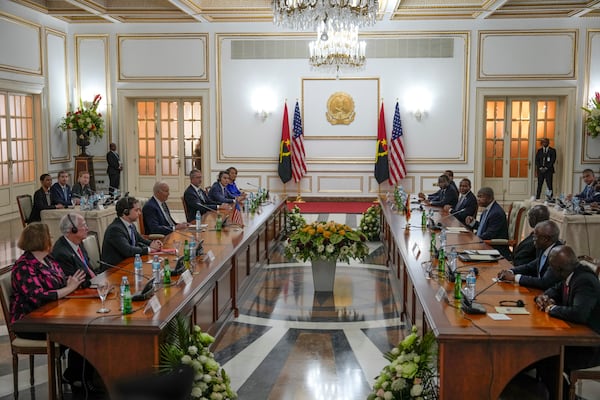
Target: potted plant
{"type": "Point", "coordinates": [411, 373]}
{"type": "Point", "coordinates": [86, 122]}
{"type": "Point", "coordinates": [592, 119]}
{"type": "Point", "coordinates": [190, 347]}
{"type": "Point", "coordinates": [370, 223]}
{"type": "Point", "coordinates": [324, 244]}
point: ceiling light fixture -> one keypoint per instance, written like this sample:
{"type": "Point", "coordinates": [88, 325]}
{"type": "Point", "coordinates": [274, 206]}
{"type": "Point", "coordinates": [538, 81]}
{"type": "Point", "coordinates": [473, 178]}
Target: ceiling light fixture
{"type": "Point", "coordinates": [340, 49]}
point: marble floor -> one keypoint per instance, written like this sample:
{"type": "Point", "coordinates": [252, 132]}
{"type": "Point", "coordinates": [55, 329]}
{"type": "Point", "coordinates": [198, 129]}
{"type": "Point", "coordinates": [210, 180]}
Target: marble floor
{"type": "Point", "coordinates": [290, 343]}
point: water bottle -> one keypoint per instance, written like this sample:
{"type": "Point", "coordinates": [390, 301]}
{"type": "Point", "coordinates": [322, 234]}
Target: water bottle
{"type": "Point", "coordinates": [186, 254]}
{"type": "Point", "coordinates": [156, 270]}
{"type": "Point", "coordinates": [432, 244]}
{"type": "Point", "coordinates": [443, 238]}
{"type": "Point", "coordinates": [457, 286]}
{"type": "Point", "coordinates": [124, 284]}
{"type": "Point", "coordinates": [137, 267]}
{"type": "Point", "coordinates": [127, 306]}
{"type": "Point", "coordinates": [167, 273]}
{"type": "Point", "coordinates": [198, 220]}
{"type": "Point", "coordinates": [471, 282]}
{"type": "Point", "coordinates": [219, 223]}
{"type": "Point", "coordinates": [452, 259]}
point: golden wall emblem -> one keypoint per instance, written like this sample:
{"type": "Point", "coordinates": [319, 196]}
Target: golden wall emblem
{"type": "Point", "coordinates": [340, 109]}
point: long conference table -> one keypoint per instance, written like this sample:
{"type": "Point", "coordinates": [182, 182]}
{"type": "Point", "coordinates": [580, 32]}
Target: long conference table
{"type": "Point", "coordinates": [477, 356]}
{"type": "Point", "coordinates": [121, 346]}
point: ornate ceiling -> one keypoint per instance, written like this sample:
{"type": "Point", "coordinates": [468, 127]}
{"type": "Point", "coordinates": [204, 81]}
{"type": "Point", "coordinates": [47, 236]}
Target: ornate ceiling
{"type": "Point", "coordinates": [211, 11]}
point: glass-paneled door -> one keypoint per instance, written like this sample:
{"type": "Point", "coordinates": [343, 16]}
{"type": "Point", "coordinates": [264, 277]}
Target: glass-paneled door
{"type": "Point", "coordinates": [512, 129]}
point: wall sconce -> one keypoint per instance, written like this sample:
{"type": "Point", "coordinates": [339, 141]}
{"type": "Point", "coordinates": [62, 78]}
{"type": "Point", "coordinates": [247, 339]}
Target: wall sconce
{"type": "Point", "coordinates": [263, 103]}
{"type": "Point", "coordinates": [418, 101]}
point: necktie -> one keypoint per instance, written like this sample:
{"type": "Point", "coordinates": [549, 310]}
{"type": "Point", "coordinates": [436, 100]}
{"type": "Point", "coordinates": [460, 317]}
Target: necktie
{"type": "Point", "coordinates": [544, 157]}
{"type": "Point", "coordinates": [565, 294]}
{"type": "Point", "coordinates": [460, 201]}
{"type": "Point", "coordinates": [542, 262]}
{"type": "Point", "coordinates": [132, 234]}
{"type": "Point", "coordinates": [482, 221]}
{"type": "Point", "coordinates": [201, 195]}
{"type": "Point", "coordinates": [88, 269]}
{"type": "Point", "coordinates": [65, 193]}
{"type": "Point", "coordinates": [168, 214]}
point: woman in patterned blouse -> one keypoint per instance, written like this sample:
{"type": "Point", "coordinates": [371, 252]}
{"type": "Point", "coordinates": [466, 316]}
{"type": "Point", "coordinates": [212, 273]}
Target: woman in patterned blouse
{"type": "Point", "coordinates": [37, 278]}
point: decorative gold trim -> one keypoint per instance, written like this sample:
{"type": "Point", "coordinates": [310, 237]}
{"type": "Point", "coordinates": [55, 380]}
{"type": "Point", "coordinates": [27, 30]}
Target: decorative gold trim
{"type": "Point", "coordinates": [574, 34]}
{"type": "Point", "coordinates": [163, 78]}
{"type": "Point", "coordinates": [585, 157]}
{"type": "Point", "coordinates": [53, 129]}
{"type": "Point", "coordinates": [23, 22]}
{"type": "Point", "coordinates": [107, 81]}
{"type": "Point", "coordinates": [339, 177]}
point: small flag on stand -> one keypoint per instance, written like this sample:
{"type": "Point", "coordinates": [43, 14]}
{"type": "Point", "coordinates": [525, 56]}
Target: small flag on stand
{"type": "Point", "coordinates": [407, 206]}
{"type": "Point", "coordinates": [382, 172]}
{"type": "Point", "coordinates": [298, 154]}
{"type": "Point", "coordinates": [236, 217]}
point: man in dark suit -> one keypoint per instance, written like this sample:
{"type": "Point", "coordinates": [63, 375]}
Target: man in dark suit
{"type": "Point", "coordinates": [121, 239]}
{"type": "Point", "coordinates": [492, 224]}
{"type": "Point", "coordinates": [68, 249]}
{"type": "Point", "coordinates": [525, 251]}
{"type": "Point", "coordinates": [447, 195]}
{"type": "Point", "coordinates": [115, 166]}
{"type": "Point", "coordinates": [218, 192]}
{"type": "Point", "coordinates": [60, 192]}
{"type": "Point", "coordinates": [42, 199]}
{"type": "Point", "coordinates": [466, 204]}
{"type": "Point", "coordinates": [537, 273]}
{"type": "Point", "coordinates": [544, 165]}
{"type": "Point", "coordinates": [156, 214]}
{"type": "Point", "coordinates": [450, 174]}
{"type": "Point", "coordinates": [575, 298]}
{"type": "Point", "coordinates": [195, 198]}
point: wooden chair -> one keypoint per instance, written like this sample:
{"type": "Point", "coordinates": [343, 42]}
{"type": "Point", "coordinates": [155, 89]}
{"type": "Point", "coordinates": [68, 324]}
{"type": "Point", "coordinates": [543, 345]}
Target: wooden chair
{"type": "Point", "coordinates": [92, 247]}
{"type": "Point", "coordinates": [24, 346]}
{"type": "Point", "coordinates": [185, 210]}
{"type": "Point", "coordinates": [515, 221]}
{"type": "Point", "coordinates": [141, 225]}
{"type": "Point", "coordinates": [25, 204]}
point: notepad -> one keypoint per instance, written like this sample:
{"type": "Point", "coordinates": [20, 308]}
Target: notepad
{"type": "Point", "coordinates": [512, 310]}
{"type": "Point", "coordinates": [489, 252]}
{"type": "Point", "coordinates": [456, 229]}
{"type": "Point", "coordinates": [479, 257]}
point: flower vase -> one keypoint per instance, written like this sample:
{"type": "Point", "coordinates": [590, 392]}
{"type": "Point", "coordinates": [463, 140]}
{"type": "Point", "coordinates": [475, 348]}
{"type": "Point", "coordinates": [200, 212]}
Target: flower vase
{"type": "Point", "coordinates": [83, 140]}
{"type": "Point", "coordinates": [323, 272]}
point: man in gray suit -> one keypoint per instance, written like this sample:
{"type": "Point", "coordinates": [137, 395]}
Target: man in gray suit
{"type": "Point", "coordinates": [68, 249]}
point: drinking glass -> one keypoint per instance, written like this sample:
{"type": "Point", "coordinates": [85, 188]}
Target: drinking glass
{"type": "Point", "coordinates": [177, 246]}
{"type": "Point", "coordinates": [103, 288]}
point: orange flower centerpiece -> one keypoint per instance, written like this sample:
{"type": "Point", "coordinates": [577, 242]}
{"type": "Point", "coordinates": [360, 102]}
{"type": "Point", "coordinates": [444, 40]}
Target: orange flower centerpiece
{"type": "Point", "coordinates": [325, 243]}
{"type": "Point", "coordinates": [86, 121]}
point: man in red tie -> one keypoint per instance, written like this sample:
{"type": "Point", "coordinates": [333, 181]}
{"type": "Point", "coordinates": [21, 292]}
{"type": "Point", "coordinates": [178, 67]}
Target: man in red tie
{"type": "Point", "coordinates": [576, 299]}
{"type": "Point", "coordinates": [68, 250]}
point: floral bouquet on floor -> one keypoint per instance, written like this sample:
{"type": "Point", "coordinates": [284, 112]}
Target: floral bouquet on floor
{"type": "Point", "coordinates": [294, 221]}
{"type": "Point", "coordinates": [191, 348]}
{"type": "Point", "coordinates": [326, 241]}
{"type": "Point", "coordinates": [411, 374]}
{"type": "Point", "coordinates": [592, 119]}
{"type": "Point", "coordinates": [370, 223]}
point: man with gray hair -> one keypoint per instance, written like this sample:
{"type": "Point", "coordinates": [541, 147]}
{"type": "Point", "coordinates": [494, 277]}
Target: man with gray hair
{"type": "Point", "coordinates": [68, 249]}
{"type": "Point", "coordinates": [157, 217]}
{"type": "Point", "coordinates": [537, 273]}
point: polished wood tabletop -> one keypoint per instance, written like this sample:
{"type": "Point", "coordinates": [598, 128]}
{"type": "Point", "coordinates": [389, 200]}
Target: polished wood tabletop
{"type": "Point", "coordinates": [477, 354]}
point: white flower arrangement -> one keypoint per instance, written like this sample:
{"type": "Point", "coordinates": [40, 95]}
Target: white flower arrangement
{"type": "Point", "coordinates": [370, 223]}
{"type": "Point", "coordinates": [294, 221]}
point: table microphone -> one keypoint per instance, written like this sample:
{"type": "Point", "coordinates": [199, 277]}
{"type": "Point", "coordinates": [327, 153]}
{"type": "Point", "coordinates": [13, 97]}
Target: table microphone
{"type": "Point", "coordinates": [469, 306]}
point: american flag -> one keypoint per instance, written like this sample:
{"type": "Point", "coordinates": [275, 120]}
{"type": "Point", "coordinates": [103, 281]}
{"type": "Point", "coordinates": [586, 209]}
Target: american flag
{"type": "Point", "coordinates": [298, 155]}
{"type": "Point", "coordinates": [236, 217]}
{"type": "Point", "coordinates": [397, 165]}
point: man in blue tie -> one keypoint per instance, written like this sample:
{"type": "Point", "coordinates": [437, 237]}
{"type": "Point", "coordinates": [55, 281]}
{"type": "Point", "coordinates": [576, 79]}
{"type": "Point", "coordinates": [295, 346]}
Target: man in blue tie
{"type": "Point", "coordinates": [587, 194]}
{"type": "Point", "coordinates": [156, 214]}
{"type": "Point", "coordinates": [492, 224]}
{"type": "Point", "coordinates": [196, 199]}
{"type": "Point", "coordinates": [537, 273]}
{"type": "Point", "coordinates": [467, 202]}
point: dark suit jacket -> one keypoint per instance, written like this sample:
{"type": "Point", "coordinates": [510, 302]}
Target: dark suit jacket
{"type": "Point", "coordinates": [525, 251]}
{"type": "Point", "coordinates": [116, 245]}
{"type": "Point", "coordinates": [113, 164]}
{"type": "Point", "coordinates": [197, 201]}
{"type": "Point", "coordinates": [39, 204]}
{"type": "Point", "coordinates": [583, 303]}
{"type": "Point", "coordinates": [81, 190]}
{"type": "Point", "coordinates": [539, 159]}
{"type": "Point", "coordinates": [58, 197]}
{"type": "Point", "coordinates": [154, 219]}
{"type": "Point", "coordinates": [495, 226]}
{"type": "Point", "coordinates": [69, 260]}
{"type": "Point", "coordinates": [446, 196]}
{"type": "Point", "coordinates": [220, 195]}
{"type": "Point", "coordinates": [469, 203]}
{"type": "Point", "coordinates": [530, 276]}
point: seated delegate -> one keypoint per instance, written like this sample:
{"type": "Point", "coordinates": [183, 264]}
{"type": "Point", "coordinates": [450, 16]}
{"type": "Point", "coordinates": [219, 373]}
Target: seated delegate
{"type": "Point", "coordinates": [525, 251]}
{"type": "Point", "coordinates": [447, 194]}
{"type": "Point", "coordinates": [82, 187]}
{"type": "Point", "coordinates": [156, 214]}
{"type": "Point", "coordinates": [38, 279]}
{"type": "Point", "coordinates": [42, 199]}
{"type": "Point", "coordinates": [195, 198]}
{"type": "Point", "coordinates": [218, 191]}
{"type": "Point", "coordinates": [466, 204]}
{"type": "Point", "coordinates": [492, 223]}
{"type": "Point", "coordinates": [232, 187]}
{"type": "Point", "coordinates": [60, 192]}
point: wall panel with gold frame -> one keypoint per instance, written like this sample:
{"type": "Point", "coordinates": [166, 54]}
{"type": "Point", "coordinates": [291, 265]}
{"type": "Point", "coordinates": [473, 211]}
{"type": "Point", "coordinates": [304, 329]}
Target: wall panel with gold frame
{"type": "Point", "coordinates": [59, 142]}
{"type": "Point", "coordinates": [591, 146]}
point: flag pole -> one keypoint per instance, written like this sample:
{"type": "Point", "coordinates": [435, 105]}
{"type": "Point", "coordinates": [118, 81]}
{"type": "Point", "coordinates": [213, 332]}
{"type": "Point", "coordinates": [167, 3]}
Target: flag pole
{"type": "Point", "coordinates": [299, 197]}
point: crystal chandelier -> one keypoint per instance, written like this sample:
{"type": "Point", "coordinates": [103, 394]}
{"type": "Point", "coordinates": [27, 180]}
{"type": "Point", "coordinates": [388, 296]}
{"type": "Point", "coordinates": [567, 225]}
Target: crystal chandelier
{"type": "Point", "coordinates": [307, 15]}
{"type": "Point", "coordinates": [337, 49]}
